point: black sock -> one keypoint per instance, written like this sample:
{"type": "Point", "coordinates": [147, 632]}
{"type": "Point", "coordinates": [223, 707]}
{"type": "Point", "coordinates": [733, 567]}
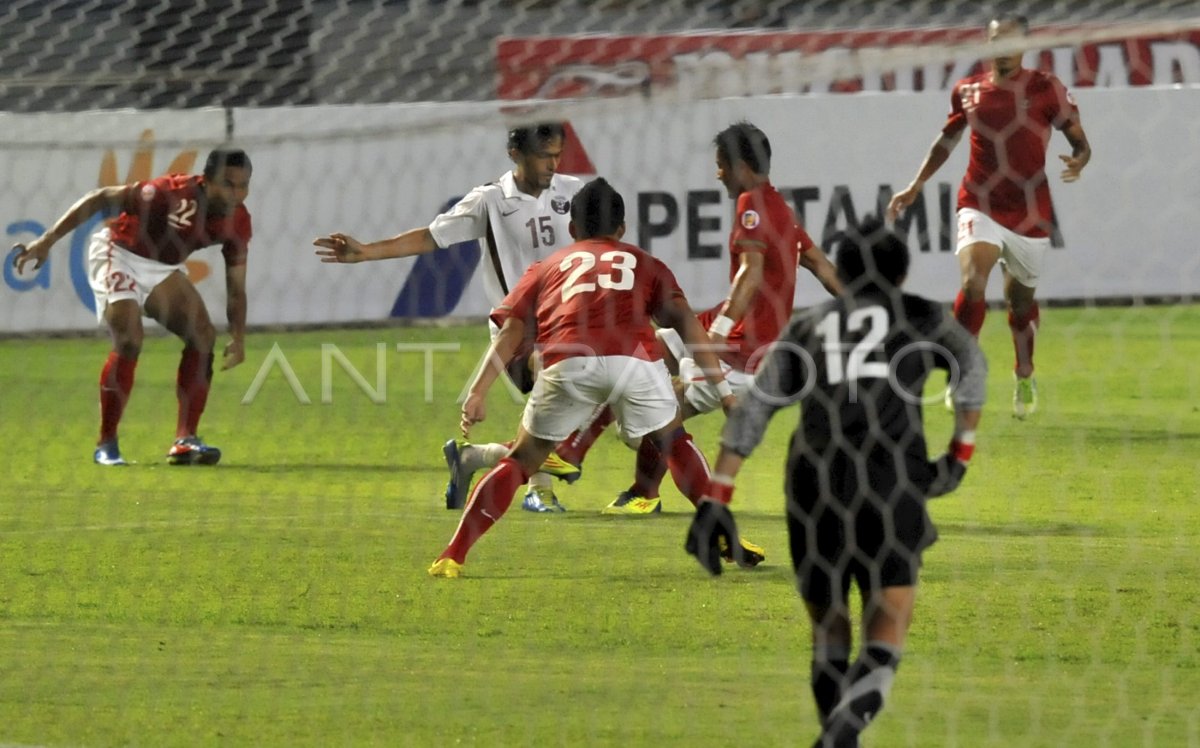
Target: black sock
{"type": "Point", "coordinates": [868, 684]}
{"type": "Point", "coordinates": [829, 667]}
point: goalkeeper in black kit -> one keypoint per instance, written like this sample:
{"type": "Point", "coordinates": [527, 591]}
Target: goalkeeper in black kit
{"type": "Point", "coordinates": [858, 473]}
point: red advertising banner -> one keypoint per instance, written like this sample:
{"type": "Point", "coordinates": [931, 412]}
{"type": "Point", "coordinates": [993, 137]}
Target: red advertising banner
{"type": "Point", "coordinates": [708, 65]}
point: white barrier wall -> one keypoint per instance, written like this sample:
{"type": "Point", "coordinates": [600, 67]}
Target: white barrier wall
{"type": "Point", "coordinates": [1130, 226]}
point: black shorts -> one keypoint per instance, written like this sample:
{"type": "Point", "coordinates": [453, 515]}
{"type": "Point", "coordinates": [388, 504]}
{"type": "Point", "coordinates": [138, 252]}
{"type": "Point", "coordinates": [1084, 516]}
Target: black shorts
{"type": "Point", "coordinates": [521, 368]}
{"type": "Point", "coordinates": [844, 529]}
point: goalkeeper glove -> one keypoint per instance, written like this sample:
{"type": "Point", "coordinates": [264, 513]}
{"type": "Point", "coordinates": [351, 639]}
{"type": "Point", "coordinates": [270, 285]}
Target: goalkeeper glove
{"type": "Point", "coordinates": [712, 524]}
{"type": "Point", "coordinates": [949, 469]}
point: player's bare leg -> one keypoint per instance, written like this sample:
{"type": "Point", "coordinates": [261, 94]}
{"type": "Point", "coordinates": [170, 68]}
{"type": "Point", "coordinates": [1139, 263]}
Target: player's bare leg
{"type": "Point", "coordinates": [124, 319]}
{"type": "Point", "coordinates": [975, 263]}
{"type": "Point", "coordinates": [177, 306]}
{"type": "Point", "coordinates": [1023, 321]}
{"type": "Point", "coordinates": [887, 614]}
{"type": "Point", "coordinates": [831, 642]}
{"type": "Point", "coordinates": [490, 499]}
{"type": "Point", "coordinates": [642, 498]}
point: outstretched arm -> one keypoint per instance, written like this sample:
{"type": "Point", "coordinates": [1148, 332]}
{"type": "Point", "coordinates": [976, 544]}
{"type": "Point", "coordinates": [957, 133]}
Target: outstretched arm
{"type": "Point", "coordinates": [500, 352]}
{"type": "Point", "coordinates": [677, 315]}
{"type": "Point", "coordinates": [1081, 151]}
{"type": "Point", "coordinates": [937, 155]}
{"type": "Point", "coordinates": [815, 261]}
{"type": "Point", "coordinates": [344, 248]}
{"type": "Point", "coordinates": [87, 206]}
{"type": "Point", "coordinates": [969, 396]}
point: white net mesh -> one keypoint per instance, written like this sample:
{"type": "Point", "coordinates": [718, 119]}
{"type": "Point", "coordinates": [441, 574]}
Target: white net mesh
{"type": "Point", "coordinates": [86, 54]}
{"type": "Point", "coordinates": [371, 116]}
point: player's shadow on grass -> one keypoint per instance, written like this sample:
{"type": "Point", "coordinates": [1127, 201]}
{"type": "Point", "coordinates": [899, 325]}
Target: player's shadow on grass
{"type": "Point", "coordinates": [1106, 434]}
{"type": "Point", "coordinates": [330, 467]}
{"type": "Point", "coordinates": [668, 577]}
{"type": "Point", "coordinates": [1056, 529]}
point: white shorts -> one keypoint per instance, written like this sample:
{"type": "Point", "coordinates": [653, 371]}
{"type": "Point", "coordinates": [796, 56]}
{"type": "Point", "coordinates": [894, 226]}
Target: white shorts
{"type": "Point", "coordinates": [116, 274]}
{"type": "Point", "coordinates": [566, 393]}
{"type": "Point", "coordinates": [699, 392]}
{"type": "Point", "coordinates": [1022, 256]}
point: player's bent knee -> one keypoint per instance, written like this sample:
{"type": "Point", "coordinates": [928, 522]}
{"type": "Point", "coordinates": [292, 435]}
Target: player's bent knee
{"type": "Point", "coordinates": [203, 336]}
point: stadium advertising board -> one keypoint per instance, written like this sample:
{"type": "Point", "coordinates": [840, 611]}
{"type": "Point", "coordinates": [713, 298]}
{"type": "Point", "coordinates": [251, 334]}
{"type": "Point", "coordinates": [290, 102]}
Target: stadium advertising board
{"type": "Point", "coordinates": [1129, 226]}
{"type": "Point", "coordinates": [712, 65]}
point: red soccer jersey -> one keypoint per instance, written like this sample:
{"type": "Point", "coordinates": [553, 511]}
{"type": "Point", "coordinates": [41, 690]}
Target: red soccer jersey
{"type": "Point", "coordinates": [1010, 129]}
{"type": "Point", "coordinates": [596, 297]}
{"type": "Point", "coordinates": [766, 221]}
{"type": "Point", "coordinates": [165, 219]}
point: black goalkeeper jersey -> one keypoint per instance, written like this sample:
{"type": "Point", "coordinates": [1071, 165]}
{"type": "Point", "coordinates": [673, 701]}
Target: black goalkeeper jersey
{"type": "Point", "coordinates": [857, 365]}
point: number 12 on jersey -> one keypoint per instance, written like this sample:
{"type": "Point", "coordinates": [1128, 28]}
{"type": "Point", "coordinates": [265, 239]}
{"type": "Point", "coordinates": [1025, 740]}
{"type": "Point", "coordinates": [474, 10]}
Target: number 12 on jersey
{"type": "Point", "coordinates": [840, 367]}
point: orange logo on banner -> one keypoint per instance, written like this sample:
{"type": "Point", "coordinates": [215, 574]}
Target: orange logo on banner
{"type": "Point", "coordinates": [141, 169]}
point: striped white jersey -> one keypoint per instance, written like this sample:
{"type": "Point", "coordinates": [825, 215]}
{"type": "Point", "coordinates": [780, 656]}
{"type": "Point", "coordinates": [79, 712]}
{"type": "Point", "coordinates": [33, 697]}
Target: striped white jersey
{"type": "Point", "coordinates": [514, 229]}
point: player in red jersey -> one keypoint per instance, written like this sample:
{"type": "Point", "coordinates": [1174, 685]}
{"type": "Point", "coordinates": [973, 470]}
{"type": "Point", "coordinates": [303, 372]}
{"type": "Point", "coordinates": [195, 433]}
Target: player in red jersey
{"type": "Point", "coordinates": [592, 304]}
{"type": "Point", "coordinates": [765, 247]}
{"type": "Point", "coordinates": [1004, 210]}
{"type": "Point", "coordinates": [135, 266]}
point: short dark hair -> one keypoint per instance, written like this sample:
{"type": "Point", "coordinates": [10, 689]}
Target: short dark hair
{"type": "Point", "coordinates": [743, 141]}
{"type": "Point", "coordinates": [871, 255]}
{"type": "Point", "coordinates": [219, 158]}
{"type": "Point", "coordinates": [527, 137]}
{"type": "Point", "coordinates": [1008, 17]}
{"type": "Point", "coordinates": [597, 209]}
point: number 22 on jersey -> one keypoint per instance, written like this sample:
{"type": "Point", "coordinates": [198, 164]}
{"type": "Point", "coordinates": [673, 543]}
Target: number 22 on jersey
{"type": "Point", "coordinates": [616, 272]}
{"type": "Point", "coordinates": [851, 361]}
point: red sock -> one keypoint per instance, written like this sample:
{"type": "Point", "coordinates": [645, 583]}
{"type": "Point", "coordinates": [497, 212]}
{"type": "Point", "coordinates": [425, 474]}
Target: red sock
{"type": "Point", "coordinates": [116, 382]}
{"type": "Point", "coordinates": [650, 469]}
{"type": "Point", "coordinates": [191, 388]}
{"type": "Point", "coordinates": [1024, 330]}
{"type": "Point", "coordinates": [575, 447]}
{"type": "Point", "coordinates": [489, 501]}
{"type": "Point", "coordinates": [689, 469]}
{"type": "Point", "coordinates": [970, 314]}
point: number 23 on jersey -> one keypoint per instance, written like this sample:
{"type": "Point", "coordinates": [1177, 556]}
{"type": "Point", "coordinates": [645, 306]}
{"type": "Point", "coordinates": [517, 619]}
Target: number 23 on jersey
{"type": "Point", "coordinates": [614, 272]}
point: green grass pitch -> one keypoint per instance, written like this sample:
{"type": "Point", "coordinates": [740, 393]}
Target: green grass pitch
{"type": "Point", "coordinates": [281, 598]}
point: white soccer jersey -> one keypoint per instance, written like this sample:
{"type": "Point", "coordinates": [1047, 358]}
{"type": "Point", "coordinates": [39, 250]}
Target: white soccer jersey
{"type": "Point", "coordinates": [514, 229]}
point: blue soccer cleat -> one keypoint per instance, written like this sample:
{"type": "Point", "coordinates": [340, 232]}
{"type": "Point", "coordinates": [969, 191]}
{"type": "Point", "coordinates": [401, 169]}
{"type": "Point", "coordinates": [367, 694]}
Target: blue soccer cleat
{"type": "Point", "coordinates": [541, 500]}
{"type": "Point", "coordinates": [459, 484]}
{"type": "Point", "coordinates": [109, 455]}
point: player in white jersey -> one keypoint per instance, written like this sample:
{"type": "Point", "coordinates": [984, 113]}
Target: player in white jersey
{"type": "Point", "coordinates": [518, 219]}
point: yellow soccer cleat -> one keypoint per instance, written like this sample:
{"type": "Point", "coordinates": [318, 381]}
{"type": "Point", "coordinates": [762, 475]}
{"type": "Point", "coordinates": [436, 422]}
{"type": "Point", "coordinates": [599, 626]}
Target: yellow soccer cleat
{"type": "Point", "coordinates": [752, 555]}
{"type": "Point", "coordinates": [560, 468]}
{"type": "Point", "coordinates": [1025, 397]}
{"type": "Point", "coordinates": [447, 568]}
{"type": "Point", "coordinates": [632, 505]}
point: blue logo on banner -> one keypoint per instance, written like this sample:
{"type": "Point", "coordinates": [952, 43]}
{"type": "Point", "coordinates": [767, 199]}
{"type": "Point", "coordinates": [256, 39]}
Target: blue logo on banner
{"type": "Point", "coordinates": [438, 279]}
{"type": "Point", "coordinates": [77, 259]}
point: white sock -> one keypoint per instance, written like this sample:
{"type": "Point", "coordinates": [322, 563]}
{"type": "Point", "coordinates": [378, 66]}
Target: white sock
{"type": "Point", "coordinates": [479, 456]}
{"type": "Point", "coordinates": [541, 480]}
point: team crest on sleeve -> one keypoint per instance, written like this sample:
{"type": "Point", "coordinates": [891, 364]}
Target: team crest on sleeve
{"type": "Point", "coordinates": [750, 219]}
{"type": "Point", "coordinates": [560, 204]}
{"type": "Point", "coordinates": [148, 192]}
